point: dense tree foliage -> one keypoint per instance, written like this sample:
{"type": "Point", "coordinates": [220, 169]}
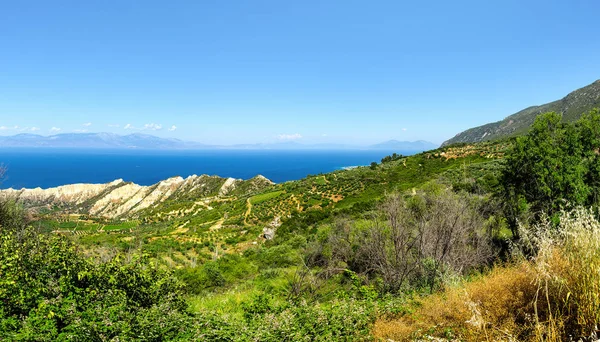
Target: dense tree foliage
{"type": "Point", "coordinates": [555, 166]}
{"type": "Point", "coordinates": [392, 157]}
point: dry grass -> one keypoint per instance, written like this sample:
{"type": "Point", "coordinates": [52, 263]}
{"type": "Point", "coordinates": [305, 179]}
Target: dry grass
{"type": "Point", "coordinates": [493, 307]}
{"type": "Point", "coordinates": [553, 297]}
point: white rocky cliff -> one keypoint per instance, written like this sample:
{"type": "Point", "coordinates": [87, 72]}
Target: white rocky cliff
{"type": "Point", "coordinates": [120, 198]}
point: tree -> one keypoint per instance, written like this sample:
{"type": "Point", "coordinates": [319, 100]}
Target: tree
{"type": "Point", "coordinates": [589, 127]}
{"type": "Point", "coordinates": [551, 168]}
{"type": "Point", "coordinates": [373, 165]}
{"type": "Point", "coordinates": [393, 157]}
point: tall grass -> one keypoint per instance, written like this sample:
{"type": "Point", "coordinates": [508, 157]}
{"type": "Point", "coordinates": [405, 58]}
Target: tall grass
{"type": "Point", "coordinates": [567, 268]}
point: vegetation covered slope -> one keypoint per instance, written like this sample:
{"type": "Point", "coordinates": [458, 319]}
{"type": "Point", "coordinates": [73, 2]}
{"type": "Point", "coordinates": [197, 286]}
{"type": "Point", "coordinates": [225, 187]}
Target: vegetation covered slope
{"type": "Point", "coordinates": [237, 285]}
{"type": "Point", "coordinates": [402, 249]}
{"type": "Point", "coordinates": [549, 290]}
{"type": "Point", "coordinates": [201, 216]}
{"type": "Point", "coordinates": [570, 107]}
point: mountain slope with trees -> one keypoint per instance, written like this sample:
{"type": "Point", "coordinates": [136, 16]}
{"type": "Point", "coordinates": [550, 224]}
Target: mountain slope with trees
{"type": "Point", "coordinates": [571, 107]}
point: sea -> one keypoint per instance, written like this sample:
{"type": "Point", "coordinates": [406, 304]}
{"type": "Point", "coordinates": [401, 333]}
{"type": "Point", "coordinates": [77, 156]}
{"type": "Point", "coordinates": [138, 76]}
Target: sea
{"type": "Point", "coordinates": [31, 168]}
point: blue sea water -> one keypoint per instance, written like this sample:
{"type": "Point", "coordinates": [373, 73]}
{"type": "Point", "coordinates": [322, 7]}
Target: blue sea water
{"type": "Point", "coordinates": [45, 168]}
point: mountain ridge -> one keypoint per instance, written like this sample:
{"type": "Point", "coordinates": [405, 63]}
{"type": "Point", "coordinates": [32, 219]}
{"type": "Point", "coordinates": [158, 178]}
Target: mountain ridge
{"type": "Point", "coordinates": [572, 106]}
{"type": "Point", "coordinates": [96, 140]}
{"type": "Point", "coordinates": [119, 198]}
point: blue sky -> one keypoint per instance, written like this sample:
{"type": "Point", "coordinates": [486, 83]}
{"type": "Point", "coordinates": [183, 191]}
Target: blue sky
{"type": "Point", "coordinates": [230, 72]}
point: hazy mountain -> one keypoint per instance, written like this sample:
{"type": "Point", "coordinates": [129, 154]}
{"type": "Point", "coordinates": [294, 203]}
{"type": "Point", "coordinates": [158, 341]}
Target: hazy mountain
{"type": "Point", "coordinates": [97, 140]}
{"type": "Point", "coordinates": [292, 145]}
{"type": "Point", "coordinates": [571, 107]}
{"type": "Point", "coordinates": [419, 145]}
{"type": "Point", "coordinates": [145, 141]}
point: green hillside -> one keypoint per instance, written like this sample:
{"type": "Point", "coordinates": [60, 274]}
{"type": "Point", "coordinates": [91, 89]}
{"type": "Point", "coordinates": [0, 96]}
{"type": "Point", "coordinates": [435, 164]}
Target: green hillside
{"type": "Point", "coordinates": [469, 242]}
{"type": "Point", "coordinates": [190, 227]}
{"type": "Point", "coordinates": [571, 107]}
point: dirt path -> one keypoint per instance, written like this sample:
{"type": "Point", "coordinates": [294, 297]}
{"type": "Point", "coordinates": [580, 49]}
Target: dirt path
{"type": "Point", "coordinates": [248, 211]}
{"type": "Point", "coordinates": [217, 225]}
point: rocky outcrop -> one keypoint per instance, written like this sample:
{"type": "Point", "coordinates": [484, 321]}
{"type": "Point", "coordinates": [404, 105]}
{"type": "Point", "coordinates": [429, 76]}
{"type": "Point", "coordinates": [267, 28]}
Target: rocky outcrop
{"type": "Point", "coordinates": [120, 198]}
{"type": "Point", "coordinates": [269, 231]}
{"type": "Point", "coordinates": [73, 193]}
{"type": "Point", "coordinates": [227, 186]}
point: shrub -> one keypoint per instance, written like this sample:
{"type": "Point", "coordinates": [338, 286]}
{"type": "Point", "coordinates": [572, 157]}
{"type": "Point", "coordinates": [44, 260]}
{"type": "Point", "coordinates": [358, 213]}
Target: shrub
{"type": "Point", "coordinates": [50, 292]}
{"type": "Point", "coordinates": [202, 277]}
{"type": "Point", "coordinates": [277, 256]}
{"type": "Point", "coordinates": [341, 320]}
{"type": "Point", "coordinates": [414, 241]}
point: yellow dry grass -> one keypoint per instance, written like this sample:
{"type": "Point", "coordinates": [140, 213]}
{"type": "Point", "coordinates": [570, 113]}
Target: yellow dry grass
{"type": "Point", "coordinates": [491, 308]}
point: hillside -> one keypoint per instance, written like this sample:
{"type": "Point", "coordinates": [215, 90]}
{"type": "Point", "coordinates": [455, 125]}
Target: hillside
{"type": "Point", "coordinates": [237, 246]}
{"type": "Point", "coordinates": [119, 199]}
{"type": "Point", "coordinates": [401, 250]}
{"type": "Point", "coordinates": [571, 107]}
{"type": "Point", "coordinates": [199, 212]}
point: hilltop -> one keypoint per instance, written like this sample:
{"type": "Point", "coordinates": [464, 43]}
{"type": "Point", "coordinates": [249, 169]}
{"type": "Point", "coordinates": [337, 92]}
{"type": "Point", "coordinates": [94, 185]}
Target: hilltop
{"type": "Point", "coordinates": [235, 244]}
{"type": "Point", "coordinates": [571, 107]}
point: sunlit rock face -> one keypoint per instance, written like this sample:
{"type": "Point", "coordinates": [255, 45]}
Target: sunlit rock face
{"type": "Point", "coordinates": [119, 198]}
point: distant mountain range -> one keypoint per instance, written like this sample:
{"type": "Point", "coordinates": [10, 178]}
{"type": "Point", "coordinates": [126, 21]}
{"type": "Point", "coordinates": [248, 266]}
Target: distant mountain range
{"type": "Point", "coordinates": [95, 140]}
{"type": "Point", "coordinates": [420, 145]}
{"type": "Point", "coordinates": [571, 107]}
{"type": "Point", "coordinates": [150, 142]}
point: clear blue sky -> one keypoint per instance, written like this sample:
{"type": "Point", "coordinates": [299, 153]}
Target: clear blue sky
{"type": "Point", "coordinates": [313, 71]}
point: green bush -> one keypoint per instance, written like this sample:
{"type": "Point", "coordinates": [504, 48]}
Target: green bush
{"type": "Point", "coordinates": [50, 292]}
{"type": "Point", "coordinates": [277, 256]}
{"type": "Point", "coordinates": [341, 320]}
{"type": "Point", "coordinates": [203, 277]}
